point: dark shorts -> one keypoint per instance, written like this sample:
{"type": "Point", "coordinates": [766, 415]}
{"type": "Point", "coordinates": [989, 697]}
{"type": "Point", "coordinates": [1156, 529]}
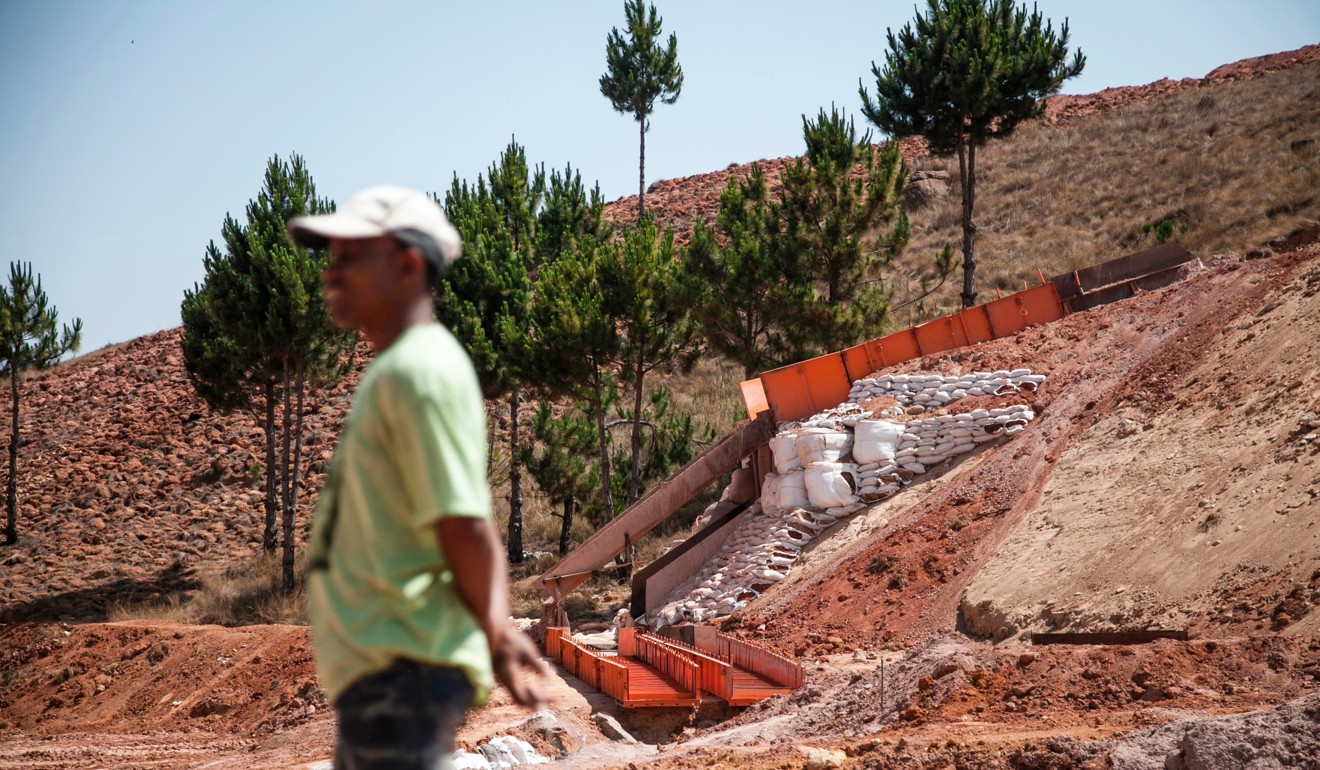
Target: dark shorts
{"type": "Point", "coordinates": [403, 718]}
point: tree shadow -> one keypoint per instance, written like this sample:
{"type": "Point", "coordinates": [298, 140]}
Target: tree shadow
{"type": "Point", "coordinates": [93, 603]}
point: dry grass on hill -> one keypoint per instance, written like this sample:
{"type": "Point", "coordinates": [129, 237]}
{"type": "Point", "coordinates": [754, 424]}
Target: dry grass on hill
{"type": "Point", "coordinates": [1237, 164]}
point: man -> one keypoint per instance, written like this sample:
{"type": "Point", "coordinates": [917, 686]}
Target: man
{"type": "Point", "coordinates": [407, 589]}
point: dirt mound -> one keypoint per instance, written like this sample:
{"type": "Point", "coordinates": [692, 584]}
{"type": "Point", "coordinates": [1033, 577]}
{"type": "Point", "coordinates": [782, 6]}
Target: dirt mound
{"type": "Point", "coordinates": [1146, 360]}
{"type": "Point", "coordinates": [171, 695]}
{"type": "Point", "coordinates": [1288, 736]}
{"type": "Point", "coordinates": [1192, 502]}
{"type": "Point", "coordinates": [131, 487]}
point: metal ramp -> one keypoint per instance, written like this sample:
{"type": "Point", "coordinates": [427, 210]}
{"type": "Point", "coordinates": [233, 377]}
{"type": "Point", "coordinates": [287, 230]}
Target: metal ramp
{"type": "Point", "coordinates": [617, 536]}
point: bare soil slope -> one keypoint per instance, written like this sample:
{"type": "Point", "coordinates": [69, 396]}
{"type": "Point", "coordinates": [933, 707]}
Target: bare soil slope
{"type": "Point", "coordinates": [1071, 526]}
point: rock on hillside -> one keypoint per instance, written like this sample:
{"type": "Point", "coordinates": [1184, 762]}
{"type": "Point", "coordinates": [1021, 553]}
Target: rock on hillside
{"type": "Point", "coordinates": [129, 485]}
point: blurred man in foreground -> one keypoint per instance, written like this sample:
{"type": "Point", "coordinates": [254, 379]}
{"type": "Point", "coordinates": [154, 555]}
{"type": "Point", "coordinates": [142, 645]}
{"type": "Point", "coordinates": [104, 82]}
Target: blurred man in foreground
{"type": "Point", "coordinates": [407, 585]}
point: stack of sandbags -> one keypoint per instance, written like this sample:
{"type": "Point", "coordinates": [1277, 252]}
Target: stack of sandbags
{"type": "Point", "coordinates": [758, 554]}
{"type": "Point", "coordinates": [929, 442]}
{"type": "Point", "coordinates": [926, 391]}
{"type": "Point", "coordinates": [836, 463]}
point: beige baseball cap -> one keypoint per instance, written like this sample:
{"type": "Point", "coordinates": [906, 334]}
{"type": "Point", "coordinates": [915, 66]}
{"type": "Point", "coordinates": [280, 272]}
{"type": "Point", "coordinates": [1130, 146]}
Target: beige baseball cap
{"type": "Point", "coordinates": [408, 215]}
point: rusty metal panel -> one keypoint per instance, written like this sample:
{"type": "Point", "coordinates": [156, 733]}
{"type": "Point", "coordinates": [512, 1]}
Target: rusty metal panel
{"type": "Point", "coordinates": [553, 636]}
{"type": "Point", "coordinates": [1037, 305]}
{"type": "Point", "coordinates": [748, 688]}
{"type": "Point", "coordinates": [1067, 285]}
{"type": "Point", "coordinates": [628, 641]}
{"type": "Point", "coordinates": [861, 360]}
{"type": "Point", "coordinates": [889, 350]}
{"type": "Point", "coordinates": [753, 393]}
{"type": "Point", "coordinates": [939, 335]}
{"type": "Point", "coordinates": [802, 389]}
{"type": "Point", "coordinates": [658, 504]}
{"type": "Point", "coordinates": [1120, 291]}
{"type": "Point", "coordinates": [1153, 260]}
{"type": "Point", "coordinates": [975, 325]}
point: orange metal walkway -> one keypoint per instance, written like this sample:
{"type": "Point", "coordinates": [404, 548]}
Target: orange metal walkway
{"type": "Point", "coordinates": [652, 671]}
{"type": "Point", "coordinates": [649, 687]}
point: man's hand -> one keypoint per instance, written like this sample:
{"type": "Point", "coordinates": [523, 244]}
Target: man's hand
{"type": "Point", "coordinates": [476, 558]}
{"type": "Point", "coordinates": [511, 654]}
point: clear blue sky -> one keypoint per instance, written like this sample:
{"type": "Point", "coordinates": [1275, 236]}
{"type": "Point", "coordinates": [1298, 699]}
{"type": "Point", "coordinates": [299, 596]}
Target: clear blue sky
{"type": "Point", "coordinates": [129, 129]}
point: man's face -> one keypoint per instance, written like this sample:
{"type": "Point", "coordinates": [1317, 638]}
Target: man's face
{"type": "Point", "coordinates": [361, 281]}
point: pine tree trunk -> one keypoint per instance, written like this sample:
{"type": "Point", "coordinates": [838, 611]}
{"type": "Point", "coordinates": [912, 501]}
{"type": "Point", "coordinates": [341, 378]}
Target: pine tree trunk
{"type": "Point", "coordinates": [565, 532]}
{"type": "Point", "coordinates": [286, 518]}
{"type": "Point", "coordinates": [298, 432]}
{"type": "Point", "coordinates": [606, 480]}
{"type": "Point", "coordinates": [967, 168]}
{"type": "Point", "coordinates": [635, 483]}
{"type": "Point", "coordinates": [11, 486]}
{"type": "Point", "coordinates": [295, 474]}
{"type": "Point", "coordinates": [641, 170]}
{"type": "Point", "coordinates": [269, 536]}
{"type": "Point", "coordinates": [515, 483]}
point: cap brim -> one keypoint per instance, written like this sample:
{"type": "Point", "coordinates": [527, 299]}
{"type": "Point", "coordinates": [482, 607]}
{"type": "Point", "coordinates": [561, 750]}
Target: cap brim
{"type": "Point", "coordinates": [315, 232]}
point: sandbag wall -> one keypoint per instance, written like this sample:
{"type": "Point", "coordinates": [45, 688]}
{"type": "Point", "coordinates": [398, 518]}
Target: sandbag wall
{"type": "Point", "coordinates": [892, 429]}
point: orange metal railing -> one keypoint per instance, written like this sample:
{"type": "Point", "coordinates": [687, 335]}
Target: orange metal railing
{"type": "Point", "coordinates": [657, 671]}
{"type": "Point", "coordinates": [602, 672]}
{"type": "Point", "coordinates": [676, 665]}
{"type": "Point", "coordinates": [715, 676]}
{"type": "Point", "coordinates": [805, 388]}
{"type": "Point", "coordinates": [776, 668]}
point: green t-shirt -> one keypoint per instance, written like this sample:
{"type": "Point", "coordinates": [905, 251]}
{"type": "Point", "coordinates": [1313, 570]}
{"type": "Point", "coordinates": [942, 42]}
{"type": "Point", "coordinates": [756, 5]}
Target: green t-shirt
{"type": "Point", "coordinates": [413, 452]}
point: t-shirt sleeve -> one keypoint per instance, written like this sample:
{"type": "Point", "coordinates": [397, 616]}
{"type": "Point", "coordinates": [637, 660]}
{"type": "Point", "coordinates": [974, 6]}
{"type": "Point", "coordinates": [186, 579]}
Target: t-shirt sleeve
{"type": "Point", "coordinates": [437, 436]}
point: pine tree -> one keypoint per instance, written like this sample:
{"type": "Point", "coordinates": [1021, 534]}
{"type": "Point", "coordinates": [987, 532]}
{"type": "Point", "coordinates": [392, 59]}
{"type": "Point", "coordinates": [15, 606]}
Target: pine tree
{"type": "Point", "coordinates": [739, 290]}
{"type": "Point", "coordinates": [256, 334]}
{"type": "Point", "coordinates": [484, 297]}
{"type": "Point", "coordinates": [514, 221]}
{"type": "Point", "coordinates": [559, 461]}
{"type": "Point", "coordinates": [638, 72]}
{"type": "Point", "coordinates": [833, 203]}
{"type": "Point", "coordinates": [644, 284]}
{"type": "Point", "coordinates": [799, 273]}
{"type": "Point", "coordinates": [965, 72]}
{"type": "Point", "coordinates": [573, 344]}
{"type": "Point", "coordinates": [28, 340]}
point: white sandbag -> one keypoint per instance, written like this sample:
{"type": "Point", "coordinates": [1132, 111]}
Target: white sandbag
{"type": "Point", "coordinates": [877, 440]}
{"type": "Point", "coordinates": [792, 492]}
{"type": "Point", "coordinates": [831, 485]}
{"type": "Point", "coordinates": [845, 511]}
{"type": "Point", "coordinates": [784, 449]}
{"type": "Point", "coordinates": [821, 445]}
{"type": "Point", "coordinates": [770, 491]}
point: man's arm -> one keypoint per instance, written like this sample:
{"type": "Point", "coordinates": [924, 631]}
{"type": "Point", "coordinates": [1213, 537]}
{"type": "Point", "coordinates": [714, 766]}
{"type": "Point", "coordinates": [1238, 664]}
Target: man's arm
{"type": "Point", "coordinates": [476, 557]}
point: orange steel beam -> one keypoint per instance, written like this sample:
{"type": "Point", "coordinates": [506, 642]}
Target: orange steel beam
{"type": "Point", "coordinates": [660, 503]}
